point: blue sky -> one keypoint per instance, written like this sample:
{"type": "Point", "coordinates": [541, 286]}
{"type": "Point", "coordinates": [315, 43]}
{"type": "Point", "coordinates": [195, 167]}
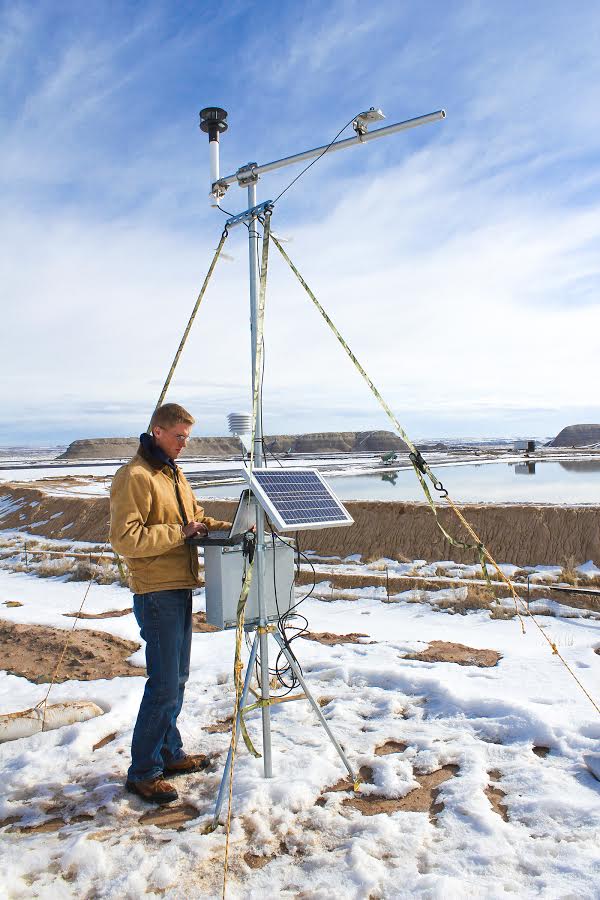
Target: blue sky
{"type": "Point", "coordinates": [461, 259]}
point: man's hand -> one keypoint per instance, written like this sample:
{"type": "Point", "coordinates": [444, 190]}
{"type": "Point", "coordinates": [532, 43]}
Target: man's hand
{"type": "Point", "coordinates": [193, 528]}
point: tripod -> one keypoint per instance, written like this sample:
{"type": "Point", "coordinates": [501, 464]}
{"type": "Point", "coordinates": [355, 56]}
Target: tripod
{"type": "Point", "coordinates": [270, 629]}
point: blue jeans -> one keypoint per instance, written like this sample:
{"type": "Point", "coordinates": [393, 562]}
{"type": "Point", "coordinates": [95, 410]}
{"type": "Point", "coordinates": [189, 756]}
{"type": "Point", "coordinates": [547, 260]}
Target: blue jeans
{"type": "Point", "coordinates": [165, 620]}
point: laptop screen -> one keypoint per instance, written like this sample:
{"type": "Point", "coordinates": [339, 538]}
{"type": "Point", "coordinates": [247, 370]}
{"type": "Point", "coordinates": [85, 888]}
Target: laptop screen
{"type": "Point", "coordinates": [245, 515]}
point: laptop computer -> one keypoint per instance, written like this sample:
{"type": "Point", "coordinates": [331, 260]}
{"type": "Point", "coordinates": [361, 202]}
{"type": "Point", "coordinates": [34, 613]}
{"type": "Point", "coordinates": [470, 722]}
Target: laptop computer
{"type": "Point", "coordinates": [244, 519]}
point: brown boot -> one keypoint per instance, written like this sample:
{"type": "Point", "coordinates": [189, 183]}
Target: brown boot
{"type": "Point", "coordinates": [188, 764]}
{"type": "Point", "coordinates": [156, 790]}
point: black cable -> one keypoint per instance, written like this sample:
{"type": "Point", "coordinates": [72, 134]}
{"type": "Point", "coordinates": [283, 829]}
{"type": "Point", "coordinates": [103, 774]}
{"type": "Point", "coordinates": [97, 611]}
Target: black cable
{"type": "Point", "coordinates": [285, 621]}
{"type": "Point", "coordinates": [316, 160]}
{"type": "Point", "coordinates": [314, 573]}
{"type": "Point", "coordinates": [262, 380]}
{"type": "Point", "coordinates": [227, 213]}
{"type": "Point", "coordinates": [280, 672]}
{"type": "Point", "coordinates": [265, 446]}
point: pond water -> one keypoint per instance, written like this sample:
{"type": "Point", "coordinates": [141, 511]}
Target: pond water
{"type": "Point", "coordinates": [499, 482]}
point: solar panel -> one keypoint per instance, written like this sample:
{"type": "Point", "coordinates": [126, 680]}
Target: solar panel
{"type": "Point", "coordinates": [297, 498]}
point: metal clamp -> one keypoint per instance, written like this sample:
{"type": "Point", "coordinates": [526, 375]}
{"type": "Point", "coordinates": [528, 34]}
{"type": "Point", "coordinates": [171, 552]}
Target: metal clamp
{"type": "Point", "coordinates": [247, 174]}
{"type": "Point", "coordinates": [218, 189]}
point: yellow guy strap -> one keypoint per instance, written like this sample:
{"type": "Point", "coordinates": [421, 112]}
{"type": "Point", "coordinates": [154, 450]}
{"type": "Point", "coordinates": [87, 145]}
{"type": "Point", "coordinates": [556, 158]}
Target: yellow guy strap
{"type": "Point", "coordinates": [421, 468]}
{"type": "Point", "coordinates": [260, 321]}
{"type": "Point", "coordinates": [418, 463]}
{"type": "Point", "coordinates": [238, 667]}
{"type": "Point", "coordinates": [191, 319]}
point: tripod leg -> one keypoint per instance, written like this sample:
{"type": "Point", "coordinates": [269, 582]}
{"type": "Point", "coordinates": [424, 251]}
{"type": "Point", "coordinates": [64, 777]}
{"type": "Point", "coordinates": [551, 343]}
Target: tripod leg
{"type": "Point", "coordinates": [266, 710]}
{"type": "Point", "coordinates": [225, 778]}
{"type": "Point", "coordinates": [296, 670]}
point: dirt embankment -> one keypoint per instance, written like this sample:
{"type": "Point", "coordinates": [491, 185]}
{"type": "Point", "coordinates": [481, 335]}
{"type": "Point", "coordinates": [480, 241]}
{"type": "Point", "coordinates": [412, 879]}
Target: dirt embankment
{"type": "Point", "coordinates": [319, 442]}
{"type": "Point", "coordinates": [523, 535]}
{"type": "Point", "coordinates": [30, 508]}
{"type": "Point", "coordinates": [520, 534]}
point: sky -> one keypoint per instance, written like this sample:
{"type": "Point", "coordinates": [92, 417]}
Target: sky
{"type": "Point", "coordinates": [460, 260]}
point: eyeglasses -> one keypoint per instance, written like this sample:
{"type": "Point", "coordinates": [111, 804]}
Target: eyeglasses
{"type": "Point", "coordinates": [180, 438]}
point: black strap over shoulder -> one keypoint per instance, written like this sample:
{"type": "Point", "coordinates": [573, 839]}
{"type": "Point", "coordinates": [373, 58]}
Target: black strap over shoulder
{"type": "Point", "coordinates": [178, 495]}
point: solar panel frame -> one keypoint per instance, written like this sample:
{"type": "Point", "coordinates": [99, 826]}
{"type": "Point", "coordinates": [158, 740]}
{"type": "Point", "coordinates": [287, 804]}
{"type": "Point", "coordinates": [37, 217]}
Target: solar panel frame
{"type": "Point", "coordinates": [319, 508]}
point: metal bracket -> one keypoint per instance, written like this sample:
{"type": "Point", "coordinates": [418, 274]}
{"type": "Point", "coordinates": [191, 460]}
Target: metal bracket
{"type": "Point", "coordinates": [249, 214]}
{"type": "Point", "coordinates": [247, 174]}
{"type": "Point", "coordinates": [360, 129]}
{"type": "Point", "coordinates": [219, 189]}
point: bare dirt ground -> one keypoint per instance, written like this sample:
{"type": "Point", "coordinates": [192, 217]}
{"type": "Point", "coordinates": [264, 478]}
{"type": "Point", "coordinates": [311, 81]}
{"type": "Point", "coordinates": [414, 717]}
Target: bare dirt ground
{"type": "Point", "coordinates": [33, 651]}
{"type": "Point", "coordinates": [447, 651]}
{"type": "Point", "coordinates": [437, 651]}
{"type": "Point", "coordinates": [330, 639]}
{"type": "Point", "coordinates": [495, 795]}
{"type": "Point", "coordinates": [200, 625]}
{"type": "Point", "coordinates": [423, 798]}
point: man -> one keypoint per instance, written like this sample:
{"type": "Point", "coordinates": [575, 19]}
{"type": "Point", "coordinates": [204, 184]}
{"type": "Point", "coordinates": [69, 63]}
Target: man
{"type": "Point", "coordinates": [152, 512]}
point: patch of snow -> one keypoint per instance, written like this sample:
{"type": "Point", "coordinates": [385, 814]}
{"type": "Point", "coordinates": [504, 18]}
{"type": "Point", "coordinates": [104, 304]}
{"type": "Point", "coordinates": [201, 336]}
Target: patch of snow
{"type": "Point", "coordinates": [588, 568]}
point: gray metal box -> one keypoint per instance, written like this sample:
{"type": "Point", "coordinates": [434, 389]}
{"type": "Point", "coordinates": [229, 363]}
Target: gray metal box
{"type": "Point", "coordinates": [224, 572]}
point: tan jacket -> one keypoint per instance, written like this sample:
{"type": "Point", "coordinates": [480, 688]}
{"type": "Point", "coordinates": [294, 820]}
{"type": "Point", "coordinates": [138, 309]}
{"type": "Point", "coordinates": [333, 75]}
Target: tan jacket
{"type": "Point", "coordinates": [145, 526]}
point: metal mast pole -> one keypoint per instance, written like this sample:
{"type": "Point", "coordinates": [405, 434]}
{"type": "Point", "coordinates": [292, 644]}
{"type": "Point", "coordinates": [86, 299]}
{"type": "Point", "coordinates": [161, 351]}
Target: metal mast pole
{"type": "Point", "coordinates": [254, 274]}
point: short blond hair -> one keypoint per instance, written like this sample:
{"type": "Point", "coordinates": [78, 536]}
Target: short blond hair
{"type": "Point", "coordinates": [170, 414]}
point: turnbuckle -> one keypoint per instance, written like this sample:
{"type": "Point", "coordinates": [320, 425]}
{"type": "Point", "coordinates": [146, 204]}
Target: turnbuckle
{"type": "Point", "coordinates": [249, 545]}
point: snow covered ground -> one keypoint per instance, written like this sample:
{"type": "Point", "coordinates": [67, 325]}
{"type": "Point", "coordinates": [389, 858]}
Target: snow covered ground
{"type": "Point", "coordinates": [480, 720]}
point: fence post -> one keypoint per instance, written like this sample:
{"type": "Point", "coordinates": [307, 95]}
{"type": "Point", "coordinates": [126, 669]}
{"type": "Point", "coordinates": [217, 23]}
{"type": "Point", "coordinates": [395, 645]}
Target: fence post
{"type": "Point", "coordinates": [26, 562]}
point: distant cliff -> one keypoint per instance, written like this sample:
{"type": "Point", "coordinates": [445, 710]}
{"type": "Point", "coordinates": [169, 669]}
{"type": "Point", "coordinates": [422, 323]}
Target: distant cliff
{"type": "Point", "coordinates": [577, 436]}
{"type": "Point", "coordinates": [125, 448]}
{"type": "Point", "coordinates": [321, 442]}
